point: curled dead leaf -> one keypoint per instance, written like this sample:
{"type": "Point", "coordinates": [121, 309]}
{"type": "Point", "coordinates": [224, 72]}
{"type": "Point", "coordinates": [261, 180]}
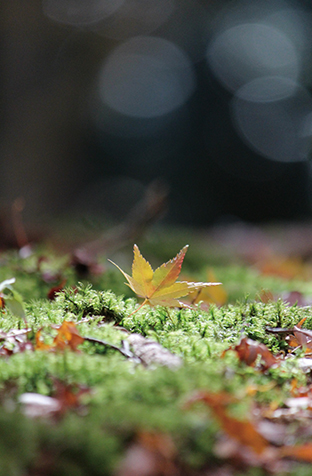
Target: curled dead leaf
{"type": "Point", "coordinates": [67, 337]}
{"type": "Point", "coordinates": [242, 431]}
{"type": "Point", "coordinates": [248, 351]}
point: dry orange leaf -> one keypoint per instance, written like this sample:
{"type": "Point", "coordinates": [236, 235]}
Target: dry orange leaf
{"type": "Point", "coordinates": [299, 338]}
{"type": "Point", "coordinates": [67, 337]}
{"type": "Point", "coordinates": [160, 287]}
{"type": "Point", "coordinates": [242, 431]}
{"type": "Point", "coordinates": [303, 452]}
{"type": "Point", "coordinates": [40, 344]}
{"type": "Point", "coordinates": [245, 432]}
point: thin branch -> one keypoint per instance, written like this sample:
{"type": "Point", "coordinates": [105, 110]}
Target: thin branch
{"type": "Point", "coordinates": [146, 212]}
{"type": "Point", "coordinates": [292, 330]}
{"type": "Point", "coordinates": [280, 330]}
{"type": "Point", "coordinates": [124, 352]}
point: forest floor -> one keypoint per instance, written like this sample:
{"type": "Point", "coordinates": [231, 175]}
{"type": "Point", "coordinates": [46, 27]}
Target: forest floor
{"type": "Point", "coordinates": [91, 384]}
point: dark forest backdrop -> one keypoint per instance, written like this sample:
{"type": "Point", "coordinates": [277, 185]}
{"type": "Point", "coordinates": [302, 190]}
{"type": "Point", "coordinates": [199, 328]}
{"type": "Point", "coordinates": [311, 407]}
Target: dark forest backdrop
{"type": "Point", "coordinates": [101, 97]}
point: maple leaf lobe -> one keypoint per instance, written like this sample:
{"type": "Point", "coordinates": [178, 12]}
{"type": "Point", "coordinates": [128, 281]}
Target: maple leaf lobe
{"type": "Point", "coordinates": [142, 274]}
{"type": "Point", "coordinates": [168, 272]}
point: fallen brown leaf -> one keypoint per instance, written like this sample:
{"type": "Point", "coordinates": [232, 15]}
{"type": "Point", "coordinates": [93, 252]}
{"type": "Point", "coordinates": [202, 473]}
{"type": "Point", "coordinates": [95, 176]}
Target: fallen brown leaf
{"type": "Point", "coordinates": [248, 350]}
{"type": "Point", "coordinates": [67, 337]}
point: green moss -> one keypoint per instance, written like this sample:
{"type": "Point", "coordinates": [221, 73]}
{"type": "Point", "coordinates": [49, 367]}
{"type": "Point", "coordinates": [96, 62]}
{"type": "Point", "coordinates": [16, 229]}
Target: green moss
{"type": "Point", "coordinates": [125, 396]}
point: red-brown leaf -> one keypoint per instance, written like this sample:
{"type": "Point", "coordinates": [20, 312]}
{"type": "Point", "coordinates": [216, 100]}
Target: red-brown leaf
{"type": "Point", "coordinates": [55, 289]}
{"type": "Point", "coordinates": [248, 350]}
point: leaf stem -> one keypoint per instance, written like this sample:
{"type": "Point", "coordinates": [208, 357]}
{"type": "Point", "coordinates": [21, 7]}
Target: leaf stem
{"type": "Point", "coordinates": [138, 308]}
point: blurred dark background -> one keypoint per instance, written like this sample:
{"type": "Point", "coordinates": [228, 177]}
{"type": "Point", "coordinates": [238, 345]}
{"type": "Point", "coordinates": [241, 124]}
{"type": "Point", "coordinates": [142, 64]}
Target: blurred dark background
{"type": "Point", "coordinates": [101, 97]}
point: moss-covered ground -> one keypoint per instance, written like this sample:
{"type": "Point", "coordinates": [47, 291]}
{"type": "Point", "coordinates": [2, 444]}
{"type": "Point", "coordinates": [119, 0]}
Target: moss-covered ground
{"type": "Point", "coordinates": [129, 405]}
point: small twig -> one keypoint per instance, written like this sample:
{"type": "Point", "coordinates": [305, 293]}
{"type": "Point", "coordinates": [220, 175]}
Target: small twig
{"type": "Point", "coordinates": [18, 225]}
{"type": "Point", "coordinates": [123, 329]}
{"type": "Point", "coordinates": [124, 352]}
{"type": "Point", "coordinates": [15, 333]}
{"type": "Point", "coordinates": [146, 212]}
{"type": "Point", "coordinates": [280, 330]}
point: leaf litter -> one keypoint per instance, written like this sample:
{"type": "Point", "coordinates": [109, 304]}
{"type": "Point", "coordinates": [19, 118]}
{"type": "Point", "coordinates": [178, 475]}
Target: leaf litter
{"type": "Point", "coordinates": [248, 445]}
{"type": "Point", "coordinates": [65, 397]}
{"type": "Point", "coordinates": [251, 446]}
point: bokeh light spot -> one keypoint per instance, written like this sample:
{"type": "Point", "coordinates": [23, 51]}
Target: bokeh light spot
{"type": "Point", "coordinates": [146, 77]}
{"type": "Point", "coordinates": [274, 128]}
{"type": "Point", "coordinates": [267, 89]}
{"type": "Point", "coordinates": [251, 50]}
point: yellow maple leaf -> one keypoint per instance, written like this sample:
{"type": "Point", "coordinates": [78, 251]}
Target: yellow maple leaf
{"type": "Point", "coordinates": [160, 287]}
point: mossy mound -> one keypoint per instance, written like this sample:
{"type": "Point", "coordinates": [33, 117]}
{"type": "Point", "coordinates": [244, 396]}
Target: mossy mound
{"type": "Point", "coordinates": [127, 399]}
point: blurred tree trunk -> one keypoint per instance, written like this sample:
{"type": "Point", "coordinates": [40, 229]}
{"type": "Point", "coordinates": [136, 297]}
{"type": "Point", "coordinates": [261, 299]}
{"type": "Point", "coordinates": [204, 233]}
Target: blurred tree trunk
{"type": "Point", "coordinates": [46, 70]}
